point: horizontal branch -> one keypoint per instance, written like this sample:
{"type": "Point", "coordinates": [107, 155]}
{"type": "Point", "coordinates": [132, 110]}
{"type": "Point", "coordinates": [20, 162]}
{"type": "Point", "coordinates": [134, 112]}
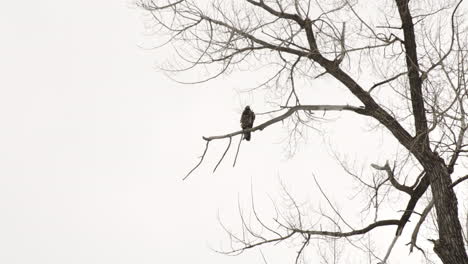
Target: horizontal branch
{"type": "Point", "coordinates": [314, 232]}
{"type": "Point", "coordinates": [360, 110]}
{"type": "Point", "coordinates": [351, 233]}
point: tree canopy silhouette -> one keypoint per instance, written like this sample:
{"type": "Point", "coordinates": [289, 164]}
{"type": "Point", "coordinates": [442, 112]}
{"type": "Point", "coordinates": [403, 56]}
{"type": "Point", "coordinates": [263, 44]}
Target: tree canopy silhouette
{"type": "Point", "coordinates": [404, 61]}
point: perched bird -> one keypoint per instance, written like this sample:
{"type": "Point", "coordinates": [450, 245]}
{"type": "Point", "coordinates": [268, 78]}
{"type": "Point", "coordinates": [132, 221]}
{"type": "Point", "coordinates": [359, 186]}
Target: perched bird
{"type": "Point", "coordinates": [247, 120]}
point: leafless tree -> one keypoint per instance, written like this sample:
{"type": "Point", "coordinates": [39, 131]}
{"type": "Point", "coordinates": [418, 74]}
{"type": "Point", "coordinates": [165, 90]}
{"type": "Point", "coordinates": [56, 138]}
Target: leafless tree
{"type": "Point", "coordinates": [404, 62]}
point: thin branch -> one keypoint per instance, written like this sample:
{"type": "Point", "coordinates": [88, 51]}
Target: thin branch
{"type": "Point", "coordinates": [424, 214]}
{"type": "Point", "coordinates": [390, 248]}
{"type": "Point", "coordinates": [279, 14]}
{"type": "Point", "coordinates": [238, 148]}
{"type": "Point", "coordinates": [331, 205]}
{"type": "Point", "coordinates": [255, 39]}
{"type": "Point", "coordinates": [224, 154]}
{"type": "Point", "coordinates": [459, 180]}
{"type": "Point", "coordinates": [386, 81]}
{"type": "Point", "coordinates": [274, 240]}
{"type": "Point", "coordinates": [201, 159]}
{"type": "Point", "coordinates": [304, 244]}
{"type": "Point", "coordinates": [154, 7]}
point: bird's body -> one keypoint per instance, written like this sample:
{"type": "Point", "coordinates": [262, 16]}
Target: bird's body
{"type": "Point", "coordinates": [247, 120]}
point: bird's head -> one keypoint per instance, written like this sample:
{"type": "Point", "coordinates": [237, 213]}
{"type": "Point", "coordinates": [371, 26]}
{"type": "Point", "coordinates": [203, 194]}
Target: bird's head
{"type": "Point", "coordinates": [247, 107]}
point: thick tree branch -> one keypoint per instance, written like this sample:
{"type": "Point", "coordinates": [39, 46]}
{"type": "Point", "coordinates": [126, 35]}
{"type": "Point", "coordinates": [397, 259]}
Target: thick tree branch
{"type": "Point", "coordinates": [351, 233]}
{"type": "Point", "coordinates": [416, 195]}
{"type": "Point", "coordinates": [288, 113]}
{"type": "Point", "coordinates": [393, 180]}
{"type": "Point", "coordinates": [412, 63]}
{"type": "Point", "coordinates": [374, 109]}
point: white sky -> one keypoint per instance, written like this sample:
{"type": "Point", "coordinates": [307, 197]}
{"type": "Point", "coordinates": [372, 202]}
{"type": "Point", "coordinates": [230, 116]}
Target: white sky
{"type": "Point", "coordinates": [94, 143]}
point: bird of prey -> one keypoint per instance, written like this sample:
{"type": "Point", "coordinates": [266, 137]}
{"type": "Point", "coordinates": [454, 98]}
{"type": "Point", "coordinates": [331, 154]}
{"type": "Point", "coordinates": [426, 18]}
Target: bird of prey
{"type": "Point", "coordinates": [247, 120]}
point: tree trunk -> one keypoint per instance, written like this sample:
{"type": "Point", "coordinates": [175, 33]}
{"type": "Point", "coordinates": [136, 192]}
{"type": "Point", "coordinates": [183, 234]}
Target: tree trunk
{"type": "Point", "coordinates": [449, 247]}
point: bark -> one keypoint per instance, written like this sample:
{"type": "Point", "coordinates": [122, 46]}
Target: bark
{"type": "Point", "coordinates": [449, 247]}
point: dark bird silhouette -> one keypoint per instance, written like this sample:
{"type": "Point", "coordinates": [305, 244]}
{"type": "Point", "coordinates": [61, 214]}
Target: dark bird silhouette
{"type": "Point", "coordinates": [247, 120]}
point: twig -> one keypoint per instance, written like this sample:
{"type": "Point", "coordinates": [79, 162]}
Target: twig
{"type": "Point", "coordinates": [224, 154]}
{"type": "Point", "coordinates": [238, 147]}
{"type": "Point", "coordinates": [201, 159]}
{"type": "Point", "coordinates": [304, 244]}
{"type": "Point", "coordinates": [331, 205]}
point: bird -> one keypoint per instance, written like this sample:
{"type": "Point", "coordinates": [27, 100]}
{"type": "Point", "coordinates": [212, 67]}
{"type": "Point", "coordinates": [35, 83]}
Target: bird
{"type": "Point", "coordinates": [247, 120]}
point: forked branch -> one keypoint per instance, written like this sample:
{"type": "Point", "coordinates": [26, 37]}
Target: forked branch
{"type": "Point", "coordinates": [288, 113]}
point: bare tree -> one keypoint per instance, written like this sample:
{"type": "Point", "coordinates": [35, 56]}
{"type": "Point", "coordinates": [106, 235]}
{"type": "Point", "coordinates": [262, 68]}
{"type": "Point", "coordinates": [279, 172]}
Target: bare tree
{"type": "Point", "coordinates": [404, 61]}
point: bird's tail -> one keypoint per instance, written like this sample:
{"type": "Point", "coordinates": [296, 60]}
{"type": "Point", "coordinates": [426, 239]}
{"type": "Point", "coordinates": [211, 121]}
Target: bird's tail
{"type": "Point", "coordinates": [247, 136]}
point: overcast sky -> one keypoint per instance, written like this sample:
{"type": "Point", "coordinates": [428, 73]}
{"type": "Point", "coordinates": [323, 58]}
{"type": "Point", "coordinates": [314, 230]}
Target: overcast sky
{"type": "Point", "coordinates": [94, 142]}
